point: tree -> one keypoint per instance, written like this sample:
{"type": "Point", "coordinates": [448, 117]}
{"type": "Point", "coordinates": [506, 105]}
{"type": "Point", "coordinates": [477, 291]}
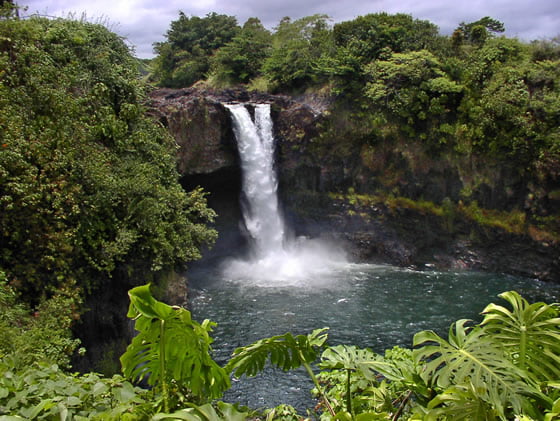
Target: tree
{"type": "Point", "coordinates": [546, 49]}
{"type": "Point", "coordinates": [242, 58]}
{"type": "Point", "coordinates": [8, 9]}
{"type": "Point", "coordinates": [297, 48]}
{"type": "Point", "coordinates": [412, 90]}
{"type": "Point", "coordinates": [191, 41]}
{"type": "Point", "coordinates": [375, 36]}
{"type": "Point", "coordinates": [477, 32]}
{"type": "Point", "coordinates": [366, 37]}
{"type": "Point", "coordinates": [88, 184]}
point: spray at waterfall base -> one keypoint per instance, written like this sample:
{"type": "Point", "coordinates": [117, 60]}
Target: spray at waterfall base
{"type": "Point", "coordinates": [273, 256]}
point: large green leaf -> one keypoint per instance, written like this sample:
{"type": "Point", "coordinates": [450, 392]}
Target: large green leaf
{"type": "Point", "coordinates": [460, 403]}
{"type": "Point", "coordinates": [470, 357]}
{"type": "Point", "coordinates": [170, 345]}
{"type": "Point", "coordinates": [346, 357]}
{"type": "Point", "coordinates": [284, 351]}
{"type": "Point", "coordinates": [143, 303]}
{"type": "Point", "coordinates": [530, 333]}
{"type": "Point", "coordinates": [205, 412]}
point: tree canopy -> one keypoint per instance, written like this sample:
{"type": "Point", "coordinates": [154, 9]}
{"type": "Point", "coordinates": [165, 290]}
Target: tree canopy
{"type": "Point", "coordinates": [241, 59]}
{"type": "Point", "coordinates": [191, 41]}
{"type": "Point", "coordinates": [88, 185]}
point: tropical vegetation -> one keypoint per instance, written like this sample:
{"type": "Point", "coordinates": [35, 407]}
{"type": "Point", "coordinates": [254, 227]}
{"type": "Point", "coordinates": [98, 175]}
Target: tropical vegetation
{"type": "Point", "coordinates": [89, 188]}
{"type": "Point", "coordinates": [506, 367]}
{"type": "Point", "coordinates": [91, 201]}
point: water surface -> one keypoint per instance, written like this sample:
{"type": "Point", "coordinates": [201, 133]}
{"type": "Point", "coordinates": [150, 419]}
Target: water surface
{"type": "Point", "coordinates": [374, 306]}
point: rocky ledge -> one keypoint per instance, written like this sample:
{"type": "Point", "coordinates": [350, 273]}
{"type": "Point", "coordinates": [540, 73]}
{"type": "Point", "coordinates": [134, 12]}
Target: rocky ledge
{"type": "Point", "coordinates": [200, 123]}
{"type": "Point", "coordinates": [410, 238]}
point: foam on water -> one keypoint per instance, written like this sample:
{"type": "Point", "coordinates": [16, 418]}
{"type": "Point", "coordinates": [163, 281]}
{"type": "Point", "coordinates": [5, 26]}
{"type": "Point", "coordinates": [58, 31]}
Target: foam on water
{"type": "Point", "coordinates": [305, 262]}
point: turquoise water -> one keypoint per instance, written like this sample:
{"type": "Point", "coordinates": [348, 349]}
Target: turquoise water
{"type": "Point", "coordinates": [374, 306]}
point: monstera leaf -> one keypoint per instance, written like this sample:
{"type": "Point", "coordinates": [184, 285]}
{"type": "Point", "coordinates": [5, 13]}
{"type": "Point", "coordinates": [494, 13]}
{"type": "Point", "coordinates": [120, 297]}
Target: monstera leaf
{"type": "Point", "coordinates": [170, 345]}
{"type": "Point", "coordinates": [283, 351]}
{"type": "Point", "coordinates": [473, 360]}
{"type": "Point", "coordinates": [530, 333]}
{"type": "Point", "coordinates": [460, 403]}
{"type": "Point", "coordinates": [348, 358]}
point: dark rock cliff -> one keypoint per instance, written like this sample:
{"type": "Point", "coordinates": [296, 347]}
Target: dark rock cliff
{"type": "Point", "coordinates": [311, 167]}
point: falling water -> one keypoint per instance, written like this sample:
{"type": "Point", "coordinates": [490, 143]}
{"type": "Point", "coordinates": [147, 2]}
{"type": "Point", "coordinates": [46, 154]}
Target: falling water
{"type": "Point", "coordinates": [256, 150]}
{"type": "Point", "coordinates": [273, 256]}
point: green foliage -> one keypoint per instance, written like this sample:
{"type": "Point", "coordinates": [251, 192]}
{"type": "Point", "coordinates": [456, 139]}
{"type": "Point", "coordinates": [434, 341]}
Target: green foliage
{"type": "Point", "coordinates": [283, 412]}
{"type": "Point", "coordinates": [371, 37]}
{"type": "Point", "coordinates": [412, 89]}
{"type": "Point", "coordinates": [477, 32]}
{"type": "Point", "coordinates": [528, 332]}
{"type": "Point", "coordinates": [240, 60]}
{"type": "Point", "coordinates": [8, 9]}
{"type": "Point", "coordinates": [514, 221]}
{"type": "Point", "coordinates": [364, 384]}
{"type": "Point", "coordinates": [507, 221]}
{"type": "Point", "coordinates": [471, 360]}
{"type": "Point", "coordinates": [477, 373]}
{"type": "Point", "coordinates": [350, 359]}
{"type": "Point", "coordinates": [284, 351]}
{"type": "Point", "coordinates": [503, 368]}
{"type": "Point", "coordinates": [191, 41]}
{"type": "Point", "coordinates": [297, 47]}
{"type": "Point", "coordinates": [88, 191]}
{"type": "Point", "coordinates": [170, 347]}
{"type": "Point", "coordinates": [366, 37]}
{"type": "Point", "coordinates": [471, 95]}
{"type": "Point", "coordinates": [43, 391]}
{"type": "Point", "coordinates": [88, 184]}
{"type": "Point", "coordinates": [206, 412]}
{"type": "Point", "coordinates": [42, 335]}
{"type": "Point", "coordinates": [493, 368]}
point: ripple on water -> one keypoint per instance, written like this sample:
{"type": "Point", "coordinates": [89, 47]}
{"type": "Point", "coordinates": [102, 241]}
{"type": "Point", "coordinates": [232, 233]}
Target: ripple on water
{"type": "Point", "coordinates": [375, 306]}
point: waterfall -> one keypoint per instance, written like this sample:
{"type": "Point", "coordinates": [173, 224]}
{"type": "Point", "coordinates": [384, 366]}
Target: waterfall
{"type": "Point", "coordinates": [273, 257]}
{"type": "Point", "coordinates": [255, 142]}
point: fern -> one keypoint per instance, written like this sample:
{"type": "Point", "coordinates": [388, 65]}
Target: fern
{"type": "Point", "coordinates": [471, 357]}
{"type": "Point", "coordinates": [530, 334]}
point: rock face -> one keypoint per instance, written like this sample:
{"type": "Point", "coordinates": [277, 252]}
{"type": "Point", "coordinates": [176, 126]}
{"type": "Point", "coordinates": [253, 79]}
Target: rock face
{"type": "Point", "coordinates": [311, 166]}
{"type": "Point", "coordinates": [200, 126]}
{"type": "Point", "coordinates": [405, 237]}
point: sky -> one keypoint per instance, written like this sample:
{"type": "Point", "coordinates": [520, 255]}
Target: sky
{"type": "Point", "coordinates": [143, 22]}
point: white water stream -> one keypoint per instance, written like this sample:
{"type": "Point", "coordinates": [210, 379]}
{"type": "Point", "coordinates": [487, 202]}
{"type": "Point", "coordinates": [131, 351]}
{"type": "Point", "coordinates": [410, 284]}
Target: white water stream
{"type": "Point", "coordinates": [274, 255]}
